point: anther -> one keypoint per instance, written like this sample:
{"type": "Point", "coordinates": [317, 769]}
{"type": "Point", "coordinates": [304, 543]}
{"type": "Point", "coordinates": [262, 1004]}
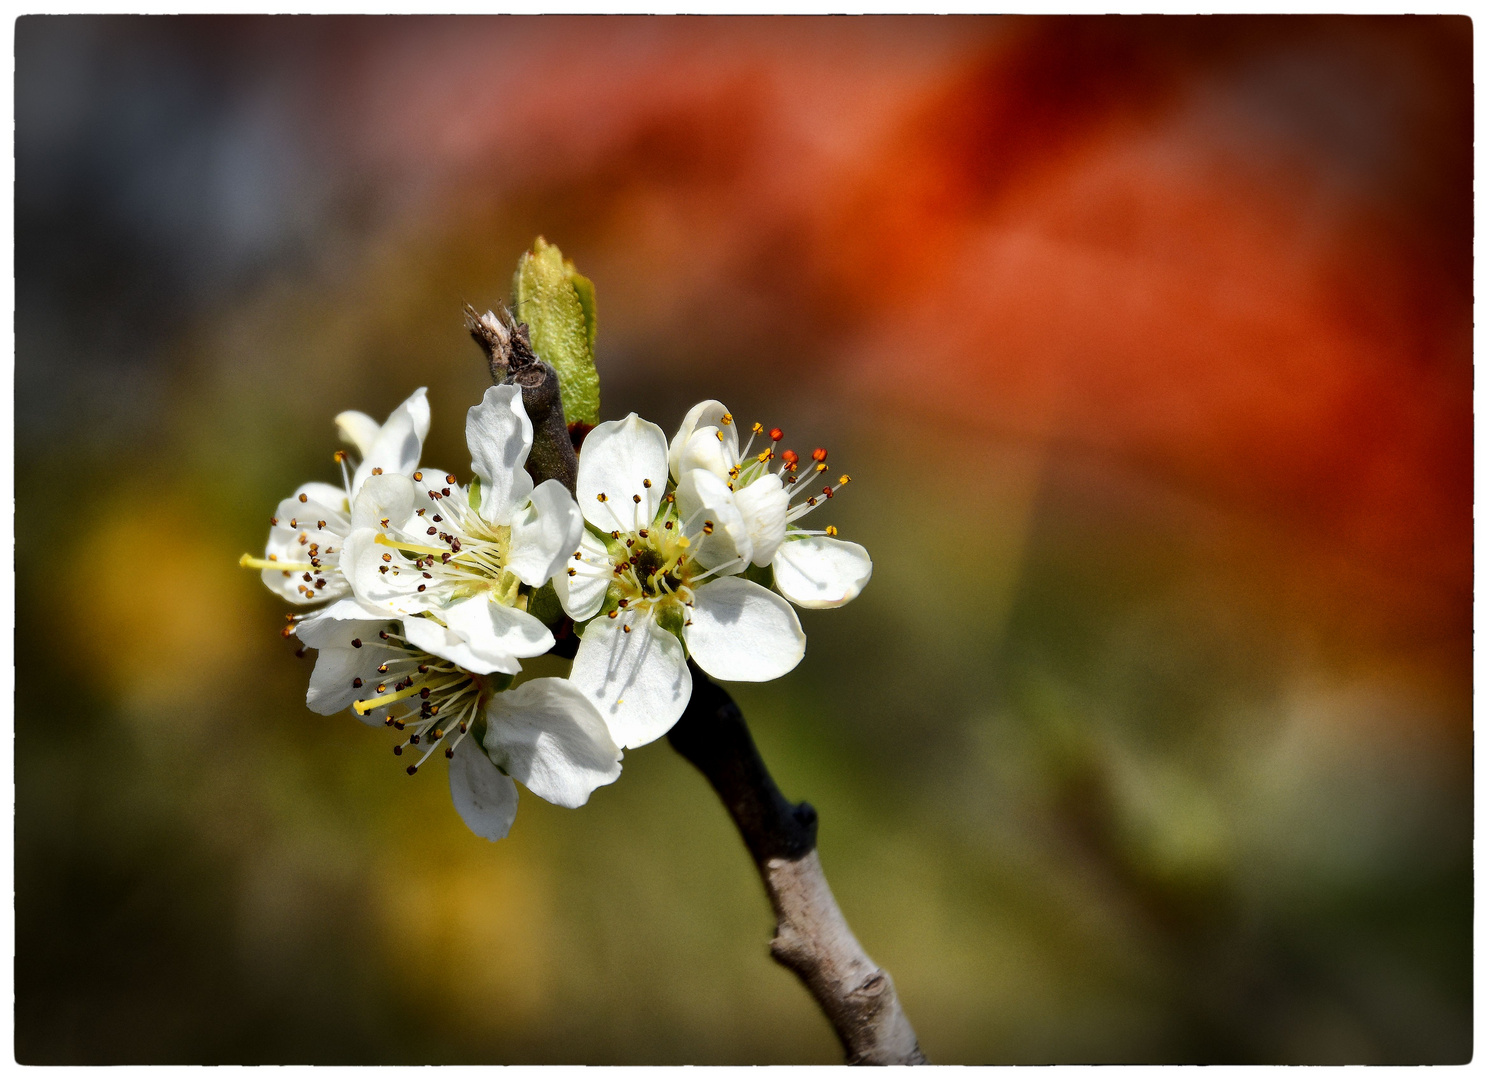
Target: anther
{"type": "Point", "coordinates": [423, 669]}
{"type": "Point", "coordinates": [419, 511]}
{"type": "Point", "coordinates": [626, 629]}
{"type": "Point", "coordinates": [421, 588]}
{"type": "Point", "coordinates": [273, 521]}
{"type": "Point", "coordinates": [827, 492]}
{"type": "Point", "coordinates": [356, 684]}
{"type": "Point", "coordinates": [427, 574]}
{"type": "Point", "coordinates": [418, 476]}
{"type": "Point", "coordinates": [413, 739]}
{"type": "Point", "coordinates": [643, 534]}
{"type": "Point", "coordinates": [708, 528]}
{"type": "Point", "coordinates": [382, 569]}
{"type": "Point", "coordinates": [831, 530]}
{"type": "Point", "coordinates": [320, 524]}
{"type": "Point", "coordinates": [790, 457]}
{"type": "Point", "coordinates": [630, 541]}
{"type": "Point", "coordinates": [356, 643]}
{"type": "Point", "coordinates": [613, 614]}
{"type": "Point", "coordinates": [644, 483]}
{"type": "Point", "coordinates": [615, 535]}
{"type": "Point", "coordinates": [382, 668]}
{"type": "Point", "coordinates": [307, 577]}
{"type": "Point", "coordinates": [304, 498]}
{"type": "Point", "coordinates": [432, 530]}
{"type": "Point", "coordinates": [397, 751]}
{"type": "Point", "coordinates": [668, 524]}
{"type": "Point", "coordinates": [819, 454]}
{"type": "Point", "coordinates": [572, 572]}
{"type": "Point", "coordinates": [449, 478]}
{"type": "Point", "coordinates": [293, 524]}
{"type": "Point", "coordinates": [449, 751]}
{"type": "Point", "coordinates": [844, 478]}
{"type": "Point", "coordinates": [382, 634]}
{"type": "Point", "coordinates": [384, 522]}
{"type": "Point", "coordinates": [821, 466]}
{"type": "Point", "coordinates": [320, 583]}
{"type": "Point", "coordinates": [726, 419]}
{"type": "Point", "coordinates": [377, 471]}
{"type": "Point", "coordinates": [300, 653]}
{"type": "Point", "coordinates": [386, 557]}
{"type": "Point", "coordinates": [603, 497]}
{"type": "Point", "coordinates": [637, 498]}
{"type": "Point", "coordinates": [424, 693]}
{"type": "Point", "coordinates": [445, 491]}
{"type": "Point", "coordinates": [437, 518]}
{"type": "Point", "coordinates": [776, 434]}
{"type": "Point", "coordinates": [412, 768]}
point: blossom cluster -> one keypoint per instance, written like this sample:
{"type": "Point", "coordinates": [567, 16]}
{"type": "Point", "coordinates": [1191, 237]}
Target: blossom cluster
{"type": "Point", "coordinates": [422, 595]}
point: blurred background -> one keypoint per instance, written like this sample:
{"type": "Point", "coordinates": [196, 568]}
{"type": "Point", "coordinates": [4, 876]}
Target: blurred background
{"type": "Point", "coordinates": [1147, 342]}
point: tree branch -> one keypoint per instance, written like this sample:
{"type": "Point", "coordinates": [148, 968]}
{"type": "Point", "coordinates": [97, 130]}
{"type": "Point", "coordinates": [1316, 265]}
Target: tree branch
{"type": "Point", "coordinates": [812, 939]}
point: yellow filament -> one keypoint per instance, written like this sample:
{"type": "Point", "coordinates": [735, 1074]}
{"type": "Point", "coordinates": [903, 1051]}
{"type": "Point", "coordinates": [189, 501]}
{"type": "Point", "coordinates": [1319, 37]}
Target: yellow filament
{"type": "Point", "coordinates": [364, 707]}
{"type": "Point", "coordinates": [401, 546]}
{"type": "Point", "coordinates": [249, 562]}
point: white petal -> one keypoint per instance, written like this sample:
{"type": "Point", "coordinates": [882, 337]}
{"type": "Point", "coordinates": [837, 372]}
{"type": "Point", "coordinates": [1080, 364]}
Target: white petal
{"type": "Point", "coordinates": [742, 632]}
{"type": "Point", "coordinates": [582, 593]}
{"type": "Point", "coordinates": [704, 414]}
{"type": "Point", "coordinates": [705, 502]}
{"type": "Point", "coordinates": [393, 594]}
{"type": "Point", "coordinates": [399, 442]}
{"type": "Point", "coordinates": [338, 662]}
{"type": "Point", "coordinates": [820, 572]}
{"type": "Point", "coordinates": [763, 505]}
{"type": "Point", "coordinates": [638, 681]}
{"type": "Point", "coordinates": [709, 448]}
{"type": "Point", "coordinates": [339, 611]}
{"type": "Point", "coordinates": [547, 735]}
{"type": "Point", "coordinates": [619, 458]}
{"type": "Point", "coordinates": [485, 799]}
{"type": "Point", "coordinates": [323, 503]}
{"type": "Point", "coordinates": [499, 436]}
{"type": "Point", "coordinates": [389, 497]}
{"type": "Point", "coordinates": [359, 429]}
{"type": "Point", "coordinates": [451, 645]}
{"type": "Point", "coordinates": [495, 630]}
{"type": "Point", "coordinates": [544, 534]}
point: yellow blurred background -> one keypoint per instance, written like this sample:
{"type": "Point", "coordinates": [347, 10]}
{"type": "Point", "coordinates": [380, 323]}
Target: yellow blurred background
{"type": "Point", "coordinates": [1146, 341]}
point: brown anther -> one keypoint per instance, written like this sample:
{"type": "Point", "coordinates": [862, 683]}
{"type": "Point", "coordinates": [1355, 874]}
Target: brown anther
{"type": "Point", "coordinates": [572, 572]}
{"type": "Point", "coordinates": [414, 739]}
{"type": "Point", "coordinates": [412, 768]}
{"type": "Point", "coordinates": [626, 629]}
{"type": "Point", "coordinates": [811, 501]}
{"type": "Point", "coordinates": [827, 492]}
{"type": "Point", "coordinates": [437, 518]}
{"type": "Point", "coordinates": [384, 523]}
{"type": "Point", "coordinates": [356, 684]}
{"type": "Point", "coordinates": [309, 594]}
{"type": "Point", "coordinates": [293, 524]}
{"type": "Point", "coordinates": [708, 528]}
{"type": "Point", "coordinates": [630, 541]}
{"type": "Point", "coordinates": [643, 534]}
{"type": "Point", "coordinates": [382, 668]}
{"type": "Point", "coordinates": [382, 634]}
{"type": "Point", "coordinates": [668, 524]}
{"type": "Point", "coordinates": [397, 751]}
{"type": "Point", "coordinates": [423, 669]}
{"type": "Point", "coordinates": [637, 498]}
{"type": "Point", "coordinates": [382, 688]}
{"type": "Point", "coordinates": [444, 491]}
{"type": "Point", "coordinates": [613, 614]}
{"type": "Point", "coordinates": [424, 693]}
{"type": "Point", "coordinates": [320, 524]}
{"type": "Point", "coordinates": [432, 530]}
{"type": "Point", "coordinates": [304, 498]}
{"type": "Point", "coordinates": [387, 557]}
{"type": "Point", "coordinates": [382, 569]}
{"type": "Point", "coordinates": [307, 577]}
{"type": "Point", "coordinates": [613, 536]}
{"type": "Point", "coordinates": [418, 476]}
{"type": "Point", "coordinates": [420, 511]}
{"type": "Point", "coordinates": [421, 588]}
{"type": "Point", "coordinates": [644, 483]}
{"type": "Point", "coordinates": [377, 471]}
{"type": "Point", "coordinates": [624, 603]}
{"type": "Point", "coordinates": [427, 574]}
{"type": "Point", "coordinates": [320, 583]}
{"type": "Point", "coordinates": [286, 632]}
{"type": "Point", "coordinates": [449, 478]}
{"type": "Point", "coordinates": [602, 497]}
{"type": "Point", "coordinates": [444, 558]}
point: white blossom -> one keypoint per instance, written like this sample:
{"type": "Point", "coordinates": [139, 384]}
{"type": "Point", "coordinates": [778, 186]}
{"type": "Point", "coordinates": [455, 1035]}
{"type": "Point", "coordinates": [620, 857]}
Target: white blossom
{"type": "Point", "coordinates": [426, 545]}
{"type": "Point", "coordinates": [761, 504]}
{"type": "Point", "coordinates": [543, 733]}
{"type": "Point", "coordinates": [302, 558]}
{"type": "Point", "coordinates": [661, 585]}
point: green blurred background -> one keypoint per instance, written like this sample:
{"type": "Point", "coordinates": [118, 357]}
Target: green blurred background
{"type": "Point", "coordinates": [1147, 343]}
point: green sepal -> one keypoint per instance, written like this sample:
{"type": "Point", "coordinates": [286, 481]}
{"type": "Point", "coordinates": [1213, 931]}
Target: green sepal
{"type": "Point", "coordinates": [670, 619]}
{"type": "Point", "coordinates": [760, 575]}
{"type": "Point", "coordinates": [473, 493]}
{"type": "Point", "coordinates": [545, 606]}
{"type": "Point", "coordinates": [557, 304]}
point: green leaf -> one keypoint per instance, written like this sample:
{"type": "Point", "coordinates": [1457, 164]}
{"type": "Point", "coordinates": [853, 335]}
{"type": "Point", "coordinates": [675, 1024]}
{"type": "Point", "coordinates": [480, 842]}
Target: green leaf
{"type": "Point", "coordinates": [557, 304]}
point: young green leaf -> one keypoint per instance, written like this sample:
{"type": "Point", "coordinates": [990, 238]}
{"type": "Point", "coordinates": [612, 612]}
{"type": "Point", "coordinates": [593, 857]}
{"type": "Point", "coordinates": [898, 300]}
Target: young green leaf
{"type": "Point", "coordinates": [557, 304]}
